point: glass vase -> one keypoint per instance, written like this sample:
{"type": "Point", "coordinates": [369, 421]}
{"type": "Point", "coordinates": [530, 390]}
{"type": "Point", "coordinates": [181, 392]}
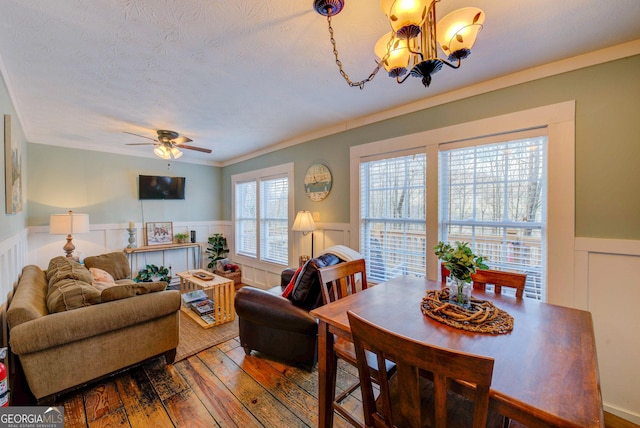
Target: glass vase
{"type": "Point", "coordinates": [460, 292]}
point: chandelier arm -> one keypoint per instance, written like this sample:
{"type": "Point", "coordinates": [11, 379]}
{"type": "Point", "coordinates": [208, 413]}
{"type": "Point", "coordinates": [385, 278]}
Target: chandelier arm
{"type": "Point", "coordinates": [452, 65]}
{"type": "Point", "coordinates": [360, 84]}
{"type": "Point", "coordinates": [400, 81]}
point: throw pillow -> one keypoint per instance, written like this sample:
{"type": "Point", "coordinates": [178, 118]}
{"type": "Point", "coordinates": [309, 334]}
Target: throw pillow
{"type": "Point", "coordinates": [289, 288]}
{"type": "Point", "coordinates": [118, 292]}
{"type": "Point", "coordinates": [64, 268]}
{"type": "Point", "coordinates": [100, 275]}
{"type": "Point", "coordinates": [306, 293]}
{"type": "Point", "coordinates": [116, 263]}
{"type": "Point", "coordinates": [68, 294]}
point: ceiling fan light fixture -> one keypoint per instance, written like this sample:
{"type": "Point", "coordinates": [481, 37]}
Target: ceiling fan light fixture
{"type": "Point", "coordinates": [177, 154]}
{"type": "Point", "coordinates": [162, 152]}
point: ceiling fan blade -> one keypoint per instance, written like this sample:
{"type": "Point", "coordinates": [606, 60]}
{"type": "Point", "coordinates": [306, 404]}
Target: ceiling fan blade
{"type": "Point", "coordinates": [138, 135]}
{"type": "Point", "coordinates": [200, 149]}
{"type": "Point", "coordinates": [141, 144]}
{"type": "Point", "coordinates": [181, 140]}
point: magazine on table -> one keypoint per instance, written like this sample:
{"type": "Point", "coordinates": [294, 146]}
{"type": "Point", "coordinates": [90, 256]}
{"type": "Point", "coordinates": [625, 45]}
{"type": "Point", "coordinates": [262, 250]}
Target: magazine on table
{"type": "Point", "coordinates": [203, 307]}
{"type": "Point", "coordinates": [192, 297]}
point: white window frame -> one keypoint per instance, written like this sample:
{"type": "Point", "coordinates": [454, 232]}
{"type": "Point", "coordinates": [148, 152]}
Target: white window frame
{"type": "Point", "coordinates": [559, 120]}
{"type": "Point", "coordinates": [258, 175]}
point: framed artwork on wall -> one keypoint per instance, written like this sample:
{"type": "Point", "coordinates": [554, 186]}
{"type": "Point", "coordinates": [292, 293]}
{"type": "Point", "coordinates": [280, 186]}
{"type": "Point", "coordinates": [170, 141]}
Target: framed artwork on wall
{"type": "Point", "coordinates": [159, 233]}
{"type": "Point", "coordinates": [12, 170]}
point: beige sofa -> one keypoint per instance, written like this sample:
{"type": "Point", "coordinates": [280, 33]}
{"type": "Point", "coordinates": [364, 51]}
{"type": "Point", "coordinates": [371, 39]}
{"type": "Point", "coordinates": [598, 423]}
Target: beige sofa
{"type": "Point", "coordinates": [91, 334]}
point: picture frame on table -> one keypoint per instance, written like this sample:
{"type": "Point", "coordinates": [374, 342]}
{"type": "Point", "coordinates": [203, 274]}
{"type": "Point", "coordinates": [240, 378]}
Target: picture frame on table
{"type": "Point", "coordinates": [159, 233]}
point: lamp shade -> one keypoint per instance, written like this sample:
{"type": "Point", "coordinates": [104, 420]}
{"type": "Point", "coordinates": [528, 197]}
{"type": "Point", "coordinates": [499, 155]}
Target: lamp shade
{"type": "Point", "coordinates": [68, 224]}
{"type": "Point", "coordinates": [398, 59]}
{"type": "Point", "coordinates": [176, 153]}
{"type": "Point", "coordinates": [458, 30]}
{"type": "Point", "coordinates": [162, 152]}
{"type": "Point", "coordinates": [304, 222]}
{"type": "Point", "coordinates": [406, 16]}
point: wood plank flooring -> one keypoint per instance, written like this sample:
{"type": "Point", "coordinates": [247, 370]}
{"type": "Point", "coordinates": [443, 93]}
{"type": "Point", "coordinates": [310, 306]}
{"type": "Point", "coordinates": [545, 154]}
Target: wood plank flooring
{"type": "Point", "coordinates": [219, 387]}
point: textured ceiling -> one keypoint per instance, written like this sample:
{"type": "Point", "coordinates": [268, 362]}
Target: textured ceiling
{"type": "Point", "coordinates": [240, 75]}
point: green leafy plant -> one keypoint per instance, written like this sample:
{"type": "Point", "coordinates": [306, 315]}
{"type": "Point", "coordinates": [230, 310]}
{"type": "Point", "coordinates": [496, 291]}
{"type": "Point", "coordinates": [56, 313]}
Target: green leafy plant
{"type": "Point", "coordinates": [217, 248]}
{"type": "Point", "coordinates": [459, 259]}
{"type": "Point", "coordinates": [152, 272]}
{"type": "Point", "coordinates": [181, 237]}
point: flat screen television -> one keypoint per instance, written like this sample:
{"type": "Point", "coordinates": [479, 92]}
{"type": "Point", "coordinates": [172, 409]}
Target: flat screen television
{"type": "Point", "coordinates": [159, 187]}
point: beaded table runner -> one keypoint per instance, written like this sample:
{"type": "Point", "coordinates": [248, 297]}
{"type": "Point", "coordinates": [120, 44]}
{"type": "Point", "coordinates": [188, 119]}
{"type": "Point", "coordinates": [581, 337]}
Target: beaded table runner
{"type": "Point", "coordinates": [481, 317]}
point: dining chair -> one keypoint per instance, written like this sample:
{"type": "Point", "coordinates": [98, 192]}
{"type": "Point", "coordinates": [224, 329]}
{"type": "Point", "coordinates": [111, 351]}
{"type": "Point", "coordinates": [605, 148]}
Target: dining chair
{"type": "Point", "coordinates": [336, 282]}
{"type": "Point", "coordinates": [497, 278]}
{"type": "Point", "coordinates": [408, 399]}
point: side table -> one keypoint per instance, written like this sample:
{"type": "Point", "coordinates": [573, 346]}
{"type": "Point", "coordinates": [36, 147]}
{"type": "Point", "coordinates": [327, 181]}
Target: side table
{"type": "Point", "coordinates": [220, 290]}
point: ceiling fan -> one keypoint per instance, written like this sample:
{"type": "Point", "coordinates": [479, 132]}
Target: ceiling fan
{"type": "Point", "coordinates": [168, 144]}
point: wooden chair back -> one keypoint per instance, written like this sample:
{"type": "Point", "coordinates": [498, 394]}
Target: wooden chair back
{"type": "Point", "coordinates": [340, 280]}
{"type": "Point", "coordinates": [499, 279]}
{"type": "Point", "coordinates": [411, 357]}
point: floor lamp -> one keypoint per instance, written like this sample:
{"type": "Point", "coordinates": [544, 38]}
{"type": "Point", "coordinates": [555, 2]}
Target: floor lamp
{"type": "Point", "coordinates": [304, 223]}
{"type": "Point", "coordinates": [68, 224]}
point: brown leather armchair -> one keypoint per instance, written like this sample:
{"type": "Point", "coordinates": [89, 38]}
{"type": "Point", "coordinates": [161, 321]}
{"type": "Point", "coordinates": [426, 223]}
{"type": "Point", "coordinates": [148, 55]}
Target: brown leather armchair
{"type": "Point", "coordinates": [282, 327]}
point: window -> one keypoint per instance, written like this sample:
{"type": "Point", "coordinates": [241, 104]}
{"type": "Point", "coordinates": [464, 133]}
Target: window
{"type": "Point", "coordinates": [504, 183]}
{"type": "Point", "coordinates": [494, 197]}
{"type": "Point", "coordinates": [392, 210]}
{"type": "Point", "coordinates": [262, 207]}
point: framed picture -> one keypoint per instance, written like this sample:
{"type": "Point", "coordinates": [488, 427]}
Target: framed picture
{"type": "Point", "coordinates": [12, 170]}
{"type": "Point", "coordinates": [159, 233]}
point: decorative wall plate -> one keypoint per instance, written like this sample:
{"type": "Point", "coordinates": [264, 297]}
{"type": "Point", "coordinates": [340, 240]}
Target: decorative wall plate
{"type": "Point", "coordinates": [317, 182]}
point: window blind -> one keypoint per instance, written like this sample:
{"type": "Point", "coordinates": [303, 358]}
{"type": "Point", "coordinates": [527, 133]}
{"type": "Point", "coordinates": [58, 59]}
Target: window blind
{"type": "Point", "coordinates": [393, 216]}
{"type": "Point", "coordinates": [246, 218]}
{"type": "Point", "coordinates": [494, 197]}
{"type": "Point", "coordinates": [274, 231]}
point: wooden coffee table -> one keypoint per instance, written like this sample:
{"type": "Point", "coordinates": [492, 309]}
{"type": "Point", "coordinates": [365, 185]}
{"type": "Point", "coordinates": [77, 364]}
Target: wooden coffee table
{"type": "Point", "coordinates": [219, 289]}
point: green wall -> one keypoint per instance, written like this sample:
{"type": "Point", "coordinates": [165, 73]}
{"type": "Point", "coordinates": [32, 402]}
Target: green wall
{"type": "Point", "coordinates": [104, 186]}
{"type": "Point", "coordinates": [607, 145]}
{"type": "Point", "coordinates": [10, 224]}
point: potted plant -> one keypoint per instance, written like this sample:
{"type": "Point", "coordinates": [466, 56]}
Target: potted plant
{"type": "Point", "coordinates": [217, 249]}
{"type": "Point", "coordinates": [181, 238]}
{"type": "Point", "coordinates": [461, 262]}
{"type": "Point", "coordinates": [152, 273]}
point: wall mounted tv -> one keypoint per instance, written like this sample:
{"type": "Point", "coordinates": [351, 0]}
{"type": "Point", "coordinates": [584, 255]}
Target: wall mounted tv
{"type": "Point", "coordinates": [159, 187]}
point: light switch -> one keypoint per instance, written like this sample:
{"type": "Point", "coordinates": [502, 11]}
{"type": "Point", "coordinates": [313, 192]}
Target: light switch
{"type": "Point", "coordinates": [315, 215]}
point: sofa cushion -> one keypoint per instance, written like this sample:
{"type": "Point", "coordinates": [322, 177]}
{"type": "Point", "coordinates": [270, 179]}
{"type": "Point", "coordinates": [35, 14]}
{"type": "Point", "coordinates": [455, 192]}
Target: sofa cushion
{"type": "Point", "coordinates": [124, 291]}
{"type": "Point", "coordinates": [69, 293]}
{"type": "Point", "coordinates": [64, 268]}
{"type": "Point", "coordinates": [306, 293]}
{"type": "Point", "coordinates": [115, 263]}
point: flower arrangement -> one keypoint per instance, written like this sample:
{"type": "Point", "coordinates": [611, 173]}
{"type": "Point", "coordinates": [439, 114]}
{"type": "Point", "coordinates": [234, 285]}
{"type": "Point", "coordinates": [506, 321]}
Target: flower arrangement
{"type": "Point", "coordinates": [459, 259]}
{"type": "Point", "coordinates": [461, 262]}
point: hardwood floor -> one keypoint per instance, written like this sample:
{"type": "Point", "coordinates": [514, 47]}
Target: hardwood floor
{"type": "Point", "coordinates": [220, 386]}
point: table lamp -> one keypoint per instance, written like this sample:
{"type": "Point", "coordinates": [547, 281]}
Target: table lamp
{"type": "Point", "coordinates": [68, 224]}
{"type": "Point", "coordinates": [304, 223]}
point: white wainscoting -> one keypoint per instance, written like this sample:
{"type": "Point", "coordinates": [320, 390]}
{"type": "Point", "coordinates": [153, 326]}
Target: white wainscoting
{"type": "Point", "coordinates": [104, 238]}
{"type": "Point", "coordinates": [608, 285]}
{"type": "Point", "coordinates": [13, 256]}
{"type": "Point", "coordinates": [266, 275]}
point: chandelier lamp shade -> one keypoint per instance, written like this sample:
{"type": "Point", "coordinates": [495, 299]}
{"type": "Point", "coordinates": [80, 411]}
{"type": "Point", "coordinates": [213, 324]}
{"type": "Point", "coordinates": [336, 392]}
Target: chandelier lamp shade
{"type": "Point", "coordinates": [304, 223]}
{"type": "Point", "coordinates": [411, 47]}
{"type": "Point", "coordinates": [68, 224]}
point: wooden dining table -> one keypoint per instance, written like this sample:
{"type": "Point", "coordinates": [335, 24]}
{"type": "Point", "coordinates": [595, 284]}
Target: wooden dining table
{"type": "Point", "coordinates": [545, 372]}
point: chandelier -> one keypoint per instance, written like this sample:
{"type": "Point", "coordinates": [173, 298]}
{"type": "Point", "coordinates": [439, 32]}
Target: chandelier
{"type": "Point", "coordinates": [410, 49]}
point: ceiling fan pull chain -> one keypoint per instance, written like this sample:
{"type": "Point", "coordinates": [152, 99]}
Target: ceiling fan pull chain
{"type": "Point", "coordinates": [345, 76]}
